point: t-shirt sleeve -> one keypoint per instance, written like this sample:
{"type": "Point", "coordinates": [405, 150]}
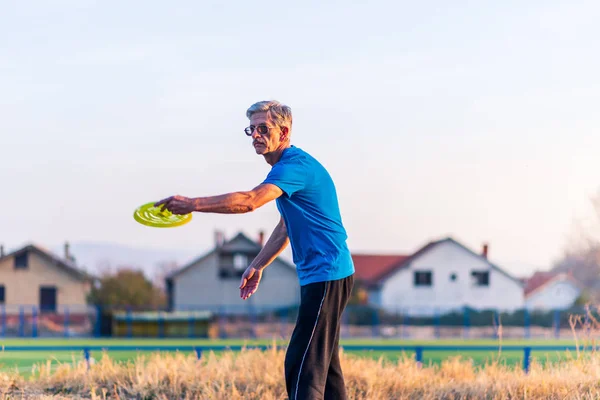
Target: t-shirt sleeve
{"type": "Point", "coordinates": [289, 177]}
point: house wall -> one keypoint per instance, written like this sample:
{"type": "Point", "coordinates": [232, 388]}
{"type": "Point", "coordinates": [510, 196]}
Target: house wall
{"type": "Point", "coordinates": [22, 286]}
{"type": "Point", "coordinates": [201, 287]}
{"type": "Point", "coordinates": [556, 295]}
{"type": "Point", "coordinates": [399, 293]}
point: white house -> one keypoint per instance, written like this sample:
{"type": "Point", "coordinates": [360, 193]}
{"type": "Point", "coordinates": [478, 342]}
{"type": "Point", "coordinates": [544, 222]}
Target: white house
{"type": "Point", "coordinates": [546, 291]}
{"type": "Point", "coordinates": [212, 281]}
{"type": "Point", "coordinates": [442, 276]}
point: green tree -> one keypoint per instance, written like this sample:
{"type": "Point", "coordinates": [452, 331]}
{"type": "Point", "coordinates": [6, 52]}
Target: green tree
{"type": "Point", "coordinates": [359, 295]}
{"type": "Point", "coordinates": [126, 287]}
{"type": "Point", "coordinates": [584, 298]}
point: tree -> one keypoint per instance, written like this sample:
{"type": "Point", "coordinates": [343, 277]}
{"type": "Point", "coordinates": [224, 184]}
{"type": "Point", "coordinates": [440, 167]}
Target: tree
{"type": "Point", "coordinates": [360, 294]}
{"type": "Point", "coordinates": [163, 270]}
{"type": "Point", "coordinates": [583, 299]}
{"type": "Point", "coordinates": [127, 287]}
{"type": "Point", "coordinates": [582, 256]}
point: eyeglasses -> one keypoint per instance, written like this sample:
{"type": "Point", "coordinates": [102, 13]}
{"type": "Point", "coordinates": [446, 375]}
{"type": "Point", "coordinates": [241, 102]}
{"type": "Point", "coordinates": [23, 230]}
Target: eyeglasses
{"type": "Point", "coordinates": [262, 129]}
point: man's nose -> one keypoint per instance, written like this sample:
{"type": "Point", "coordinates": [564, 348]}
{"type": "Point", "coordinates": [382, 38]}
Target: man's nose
{"type": "Point", "coordinates": [255, 134]}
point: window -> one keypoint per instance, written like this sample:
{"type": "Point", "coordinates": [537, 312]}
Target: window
{"type": "Point", "coordinates": [240, 262]}
{"type": "Point", "coordinates": [2, 294]}
{"type": "Point", "coordinates": [481, 278]}
{"type": "Point", "coordinates": [453, 277]}
{"type": "Point", "coordinates": [422, 278]}
{"type": "Point", "coordinates": [21, 260]}
{"type": "Point", "coordinates": [48, 298]}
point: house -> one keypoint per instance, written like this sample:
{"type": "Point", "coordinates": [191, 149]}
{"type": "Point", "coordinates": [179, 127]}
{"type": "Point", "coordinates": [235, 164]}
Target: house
{"type": "Point", "coordinates": [33, 277]}
{"type": "Point", "coordinates": [368, 268]}
{"type": "Point", "coordinates": [211, 282]}
{"type": "Point", "coordinates": [546, 290]}
{"type": "Point", "coordinates": [442, 276]}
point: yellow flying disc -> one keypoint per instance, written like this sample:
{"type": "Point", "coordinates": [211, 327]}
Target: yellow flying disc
{"type": "Point", "coordinates": [153, 216]}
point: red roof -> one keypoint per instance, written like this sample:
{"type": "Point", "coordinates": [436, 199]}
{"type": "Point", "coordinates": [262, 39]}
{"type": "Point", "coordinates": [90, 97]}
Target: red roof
{"type": "Point", "coordinates": [537, 279]}
{"type": "Point", "coordinates": [540, 278]}
{"type": "Point", "coordinates": [369, 267]}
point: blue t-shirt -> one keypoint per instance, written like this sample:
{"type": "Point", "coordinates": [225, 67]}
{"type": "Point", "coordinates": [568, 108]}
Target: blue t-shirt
{"type": "Point", "coordinates": [309, 207]}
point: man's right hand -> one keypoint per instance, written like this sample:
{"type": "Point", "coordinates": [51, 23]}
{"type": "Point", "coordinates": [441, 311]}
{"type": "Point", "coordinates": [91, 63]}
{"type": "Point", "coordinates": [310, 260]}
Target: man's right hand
{"type": "Point", "coordinates": [250, 281]}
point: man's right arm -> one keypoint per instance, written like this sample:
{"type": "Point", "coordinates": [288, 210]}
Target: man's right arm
{"type": "Point", "coordinates": [277, 242]}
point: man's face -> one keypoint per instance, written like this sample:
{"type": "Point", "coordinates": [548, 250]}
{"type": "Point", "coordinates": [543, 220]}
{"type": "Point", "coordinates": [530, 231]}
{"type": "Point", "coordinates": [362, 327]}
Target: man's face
{"type": "Point", "coordinates": [269, 141]}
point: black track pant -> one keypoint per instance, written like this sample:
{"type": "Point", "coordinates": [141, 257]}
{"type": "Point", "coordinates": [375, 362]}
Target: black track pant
{"type": "Point", "coordinates": [312, 363]}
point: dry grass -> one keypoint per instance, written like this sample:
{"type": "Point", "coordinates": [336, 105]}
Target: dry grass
{"type": "Point", "coordinates": [255, 374]}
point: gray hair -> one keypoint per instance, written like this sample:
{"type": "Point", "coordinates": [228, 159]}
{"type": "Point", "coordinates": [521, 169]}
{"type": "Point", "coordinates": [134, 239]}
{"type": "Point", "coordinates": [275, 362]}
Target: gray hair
{"type": "Point", "coordinates": [279, 113]}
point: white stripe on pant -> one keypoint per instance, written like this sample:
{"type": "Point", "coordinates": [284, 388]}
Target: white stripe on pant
{"type": "Point", "coordinates": [309, 341]}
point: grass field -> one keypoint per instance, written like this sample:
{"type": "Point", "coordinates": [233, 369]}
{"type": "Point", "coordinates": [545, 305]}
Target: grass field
{"type": "Point", "coordinates": [373, 369]}
{"type": "Point", "coordinates": [373, 374]}
{"type": "Point", "coordinates": [23, 361]}
{"type": "Point", "coordinates": [257, 374]}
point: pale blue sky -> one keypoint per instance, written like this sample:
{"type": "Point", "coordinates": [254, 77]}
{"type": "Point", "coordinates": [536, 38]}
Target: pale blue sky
{"type": "Point", "coordinates": [477, 119]}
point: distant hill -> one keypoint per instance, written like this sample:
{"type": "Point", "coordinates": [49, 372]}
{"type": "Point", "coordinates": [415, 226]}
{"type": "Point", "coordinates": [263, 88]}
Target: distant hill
{"type": "Point", "coordinates": [95, 256]}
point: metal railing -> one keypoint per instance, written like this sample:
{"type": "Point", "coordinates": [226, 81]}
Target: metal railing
{"type": "Point", "coordinates": [256, 322]}
{"type": "Point", "coordinates": [419, 350]}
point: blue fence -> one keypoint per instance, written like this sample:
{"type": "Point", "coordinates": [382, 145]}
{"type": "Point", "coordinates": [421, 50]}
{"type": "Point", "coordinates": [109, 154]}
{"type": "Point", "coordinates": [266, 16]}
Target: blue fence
{"type": "Point", "coordinates": [198, 350]}
{"type": "Point", "coordinates": [253, 322]}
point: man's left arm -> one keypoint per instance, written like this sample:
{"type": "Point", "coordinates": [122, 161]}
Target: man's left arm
{"type": "Point", "coordinates": [230, 203]}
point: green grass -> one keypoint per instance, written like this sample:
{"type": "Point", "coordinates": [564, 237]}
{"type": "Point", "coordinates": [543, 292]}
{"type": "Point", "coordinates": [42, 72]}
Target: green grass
{"type": "Point", "coordinates": [23, 361]}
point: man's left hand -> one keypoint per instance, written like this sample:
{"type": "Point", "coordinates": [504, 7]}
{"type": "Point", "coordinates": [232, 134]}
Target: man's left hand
{"type": "Point", "coordinates": [177, 204]}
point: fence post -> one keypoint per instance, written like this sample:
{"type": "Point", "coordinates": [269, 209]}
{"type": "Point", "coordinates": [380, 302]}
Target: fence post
{"type": "Point", "coordinates": [21, 321]}
{"type": "Point", "coordinates": [34, 322]}
{"type": "Point", "coordinates": [406, 323]}
{"type": "Point", "coordinates": [419, 355]}
{"type": "Point", "coordinates": [375, 321]}
{"type": "Point", "coordinates": [66, 321]}
{"type": "Point", "coordinates": [97, 328]}
{"type": "Point", "coordinates": [161, 325]}
{"type": "Point", "coordinates": [283, 322]}
{"type": "Point", "coordinates": [3, 320]}
{"type": "Point", "coordinates": [252, 320]}
{"type": "Point", "coordinates": [437, 323]}
{"type": "Point", "coordinates": [557, 324]}
{"type": "Point", "coordinates": [496, 324]}
{"type": "Point", "coordinates": [346, 321]}
{"type": "Point", "coordinates": [466, 322]}
{"type": "Point", "coordinates": [526, 358]}
{"type": "Point", "coordinates": [222, 324]}
{"type": "Point", "coordinates": [191, 325]}
{"type": "Point", "coordinates": [86, 355]}
{"type": "Point", "coordinates": [527, 322]}
{"type": "Point", "coordinates": [587, 322]}
{"type": "Point", "coordinates": [129, 323]}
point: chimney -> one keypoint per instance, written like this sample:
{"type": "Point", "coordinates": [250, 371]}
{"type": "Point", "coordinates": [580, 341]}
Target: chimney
{"type": "Point", "coordinates": [1, 250]}
{"type": "Point", "coordinates": [261, 238]}
{"type": "Point", "coordinates": [67, 255]}
{"type": "Point", "coordinates": [219, 239]}
{"type": "Point", "coordinates": [484, 252]}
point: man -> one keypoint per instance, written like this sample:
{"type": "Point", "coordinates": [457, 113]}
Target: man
{"type": "Point", "coordinates": [310, 220]}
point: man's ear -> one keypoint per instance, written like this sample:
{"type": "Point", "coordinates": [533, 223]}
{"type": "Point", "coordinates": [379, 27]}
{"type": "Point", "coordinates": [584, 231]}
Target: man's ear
{"type": "Point", "coordinates": [284, 133]}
